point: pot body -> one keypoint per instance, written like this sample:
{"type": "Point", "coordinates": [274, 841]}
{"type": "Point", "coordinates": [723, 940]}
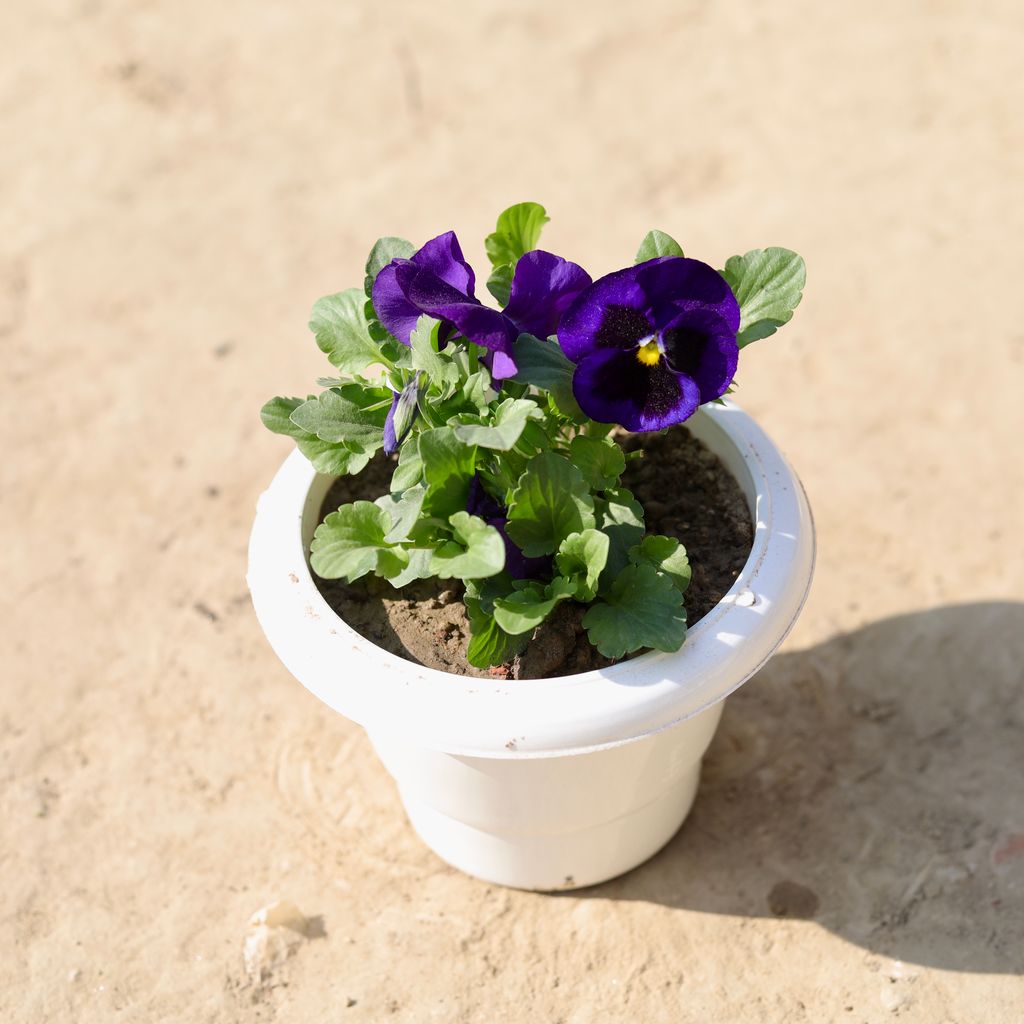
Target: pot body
{"type": "Point", "coordinates": [550, 783]}
{"type": "Point", "coordinates": [550, 823]}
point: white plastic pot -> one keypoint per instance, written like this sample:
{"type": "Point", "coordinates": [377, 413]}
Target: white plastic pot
{"type": "Point", "coordinates": [544, 783]}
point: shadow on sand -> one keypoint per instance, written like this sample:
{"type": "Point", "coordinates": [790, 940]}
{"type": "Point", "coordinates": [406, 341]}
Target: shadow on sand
{"type": "Point", "coordinates": [874, 784]}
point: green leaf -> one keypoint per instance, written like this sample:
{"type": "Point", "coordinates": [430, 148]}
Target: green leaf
{"type": "Point", "coordinates": [561, 588]}
{"type": "Point", "coordinates": [383, 252]}
{"type": "Point", "coordinates": [517, 232]}
{"type": "Point", "coordinates": [551, 501]}
{"type": "Point", "coordinates": [657, 243]}
{"type": "Point", "coordinates": [351, 542]}
{"type": "Point", "coordinates": [485, 592]}
{"type": "Point", "coordinates": [621, 517]}
{"type": "Point", "coordinates": [474, 389]}
{"type": "Point", "coordinates": [581, 558]}
{"type": "Point", "coordinates": [352, 415]}
{"type": "Point", "coordinates": [504, 429]}
{"type": "Point", "coordinates": [667, 555]}
{"type": "Point", "coordinates": [448, 467]}
{"type": "Point", "coordinates": [330, 458]}
{"type": "Point", "coordinates": [417, 569]}
{"type": "Point", "coordinates": [600, 460]}
{"type": "Point", "coordinates": [342, 331]}
{"type": "Point", "coordinates": [477, 550]}
{"type": "Point", "coordinates": [394, 352]}
{"type": "Point", "coordinates": [499, 284]}
{"type": "Point", "coordinates": [489, 644]}
{"type": "Point", "coordinates": [403, 509]}
{"type": "Point", "coordinates": [768, 285]}
{"type": "Point", "coordinates": [641, 608]}
{"type": "Point", "coordinates": [277, 416]}
{"type": "Point", "coordinates": [535, 438]}
{"type": "Point", "coordinates": [524, 610]}
{"type": "Point", "coordinates": [545, 366]}
{"type": "Point", "coordinates": [438, 366]}
{"type": "Point", "coordinates": [409, 470]}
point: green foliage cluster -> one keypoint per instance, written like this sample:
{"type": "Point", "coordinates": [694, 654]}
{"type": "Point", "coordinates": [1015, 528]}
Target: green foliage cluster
{"type": "Point", "coordinates": [527, 445]}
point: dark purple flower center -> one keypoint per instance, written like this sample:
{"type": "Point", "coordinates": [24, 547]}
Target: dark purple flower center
{"type": "Point", "coordinates": [685, 349]}
{"type": "Point", "coordinates": [622, 327]}
{"type": "Point", "coordinates": [655, 387]}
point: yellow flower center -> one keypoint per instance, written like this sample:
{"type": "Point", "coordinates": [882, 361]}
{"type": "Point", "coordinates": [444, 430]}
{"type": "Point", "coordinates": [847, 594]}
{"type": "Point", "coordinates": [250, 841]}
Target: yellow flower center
{"type": "Point", "coordinates": [649, 354]}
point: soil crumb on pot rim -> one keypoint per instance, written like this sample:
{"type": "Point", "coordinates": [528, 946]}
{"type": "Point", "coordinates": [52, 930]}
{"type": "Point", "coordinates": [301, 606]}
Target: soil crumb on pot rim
{"type": "Point", "coordinates": [686, 492]}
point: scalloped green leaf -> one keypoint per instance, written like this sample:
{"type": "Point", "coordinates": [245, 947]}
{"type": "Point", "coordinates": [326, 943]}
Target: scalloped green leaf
{"type": "Point", "coordinates": [351, 542]}
{"type": "Point", "coordinates": [351, 415]}
{"type": "Point", "coordinates": [667, 555]}
{"type": "Point", "coordinates": [448, 468]}
{"type": "Point", "coordinates": [621, 517]}
{"type": "Point", "coordinates": [437, 365]}
{"type": "Point", "coordinates": [551, 501]}
{"type": "Point", "coordinates": [277, 416]}
{"type": "Point", "coordinates": [417, 569]}
{"type": "Point", "coordinates": [600, 460]}
{"type": "Point", "coordinates": [581, 558]}
{"type": "Point", "coordinates": [642, 608]}
{"type": "Point", "coordinates": [383, 252]}
{"type": "Point", "coordinates": [524, 610]}
{"type": "Point", "coordinates": [499, 284]}
{"type": "Point", "coordinates": [409, 471]}
{"type": "Point", "coordinates": [489, 644]}
{"type": "Point", "coordinates": [505, 428]}
{"type": "Point", "coordinates": [475, 552]}
{"type": "Point", "coordinates": [517, 232]}
{"type": "Point", "coordinates": [657, 243]}
{"type": "Point", "coordinates": [768, 285]}
{"type": "Point", "coordinates": [342, 331]}
{"type": "Point", "coordinates": [331, 458]}
{"type": "Point", "coordinates": [403, 509]}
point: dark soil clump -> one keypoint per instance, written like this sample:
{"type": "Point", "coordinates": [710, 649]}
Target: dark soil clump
{"type": "Point", "coordinates": [686, 492]}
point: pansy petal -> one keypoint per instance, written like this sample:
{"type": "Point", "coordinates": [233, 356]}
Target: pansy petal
{"type": "Point", "coordinates": [475, 322]}
{"type": "Point", "coordinates": [390, 302]}
{"type": "Point", "coordinates": [500, 365]}
{"type": "Point", "coordinates": [700, 344]}
{"type": "Point", "coordinates": [672, 283]}
{"type": "Point", "coordinates": [544, 286]}
{"type": "Point", "coordinates": [612, 386]}
{"type": "Point", "coordinates": [615, 295]}
{"type": "Point", "coordinates": [442, 256]}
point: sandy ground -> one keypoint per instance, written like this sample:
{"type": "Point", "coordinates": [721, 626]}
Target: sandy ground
{"type": "Point", "coordinates": [179, 181]}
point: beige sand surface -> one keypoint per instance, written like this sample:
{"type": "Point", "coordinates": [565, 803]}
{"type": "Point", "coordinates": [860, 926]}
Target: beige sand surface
{"type": "Point", "coordinates": [178, 182]}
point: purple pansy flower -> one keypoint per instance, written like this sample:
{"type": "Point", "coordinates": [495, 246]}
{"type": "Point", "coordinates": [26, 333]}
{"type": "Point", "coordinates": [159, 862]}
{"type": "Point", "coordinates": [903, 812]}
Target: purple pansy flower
{"type": "Point", "coordinates": [437, 280]}
{"type": "Point", "coordinates": [652, 342]}
{"type": "Point", "coordinates": [491, 511]}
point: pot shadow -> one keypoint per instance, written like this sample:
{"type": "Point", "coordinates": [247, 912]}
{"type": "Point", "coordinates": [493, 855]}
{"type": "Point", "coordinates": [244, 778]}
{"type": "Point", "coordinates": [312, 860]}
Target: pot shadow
{"type": "Point", "coordinates": [871, 784]}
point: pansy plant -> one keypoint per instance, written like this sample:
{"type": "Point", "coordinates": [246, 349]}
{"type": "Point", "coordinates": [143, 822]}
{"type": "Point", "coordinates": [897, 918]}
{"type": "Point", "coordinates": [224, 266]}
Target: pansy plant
{"type": "Point", "coordinates": [501, 423]}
